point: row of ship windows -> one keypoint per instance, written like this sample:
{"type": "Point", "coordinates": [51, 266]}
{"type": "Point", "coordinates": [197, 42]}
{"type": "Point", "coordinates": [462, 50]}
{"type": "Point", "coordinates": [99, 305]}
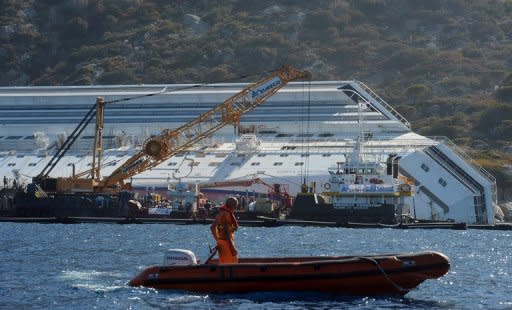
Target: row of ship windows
{"type": "Point", "coordinates": [214, 163]}
{"type": "Point", "coordinates": [44, 156]}
{"type": "Point", "coordinates": [32, 137]}
{"type": "Point", "coordinates": [257, 119]}
{"type": "Point", "coordinates": [181, 115]}
{"type": "Point", "coordinates": [193, 164]}
{"type": "Point", "coordinates": [280, 135]}
{"type": "Point", "coordinates": [159, 105]}
{"type": "Point", "coordinates": [197, 154]}
{"type": "Point", "coordinates": [176, 115]}
{"type": "Point", "coordinates": [440, 180]}
{"type": "Point", "coordinates": [17, 137]}
{"type": "Point", "coordinates": [278, 164]}
{"type": "Point", "coordinates": [113, 163]}
{"type": "Point", "coordinates": [301, 155]}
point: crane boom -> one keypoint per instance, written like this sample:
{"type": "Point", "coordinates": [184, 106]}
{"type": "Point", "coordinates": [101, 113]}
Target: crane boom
{"type": "Point", "coordinates": [172, 141]}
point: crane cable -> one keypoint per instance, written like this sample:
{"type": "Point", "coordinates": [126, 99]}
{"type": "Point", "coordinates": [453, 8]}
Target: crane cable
{"type": "Point", "coordinates": [305, 132]}
{"type": "Point", "coordinates": [308, 129]}
{"type": "Point", "coordinates": [86, 120]}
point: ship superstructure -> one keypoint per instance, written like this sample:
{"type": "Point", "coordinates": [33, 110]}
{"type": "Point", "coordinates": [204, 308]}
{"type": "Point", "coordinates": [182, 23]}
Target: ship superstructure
{"type": "Point", "coordinates": [298, 135]}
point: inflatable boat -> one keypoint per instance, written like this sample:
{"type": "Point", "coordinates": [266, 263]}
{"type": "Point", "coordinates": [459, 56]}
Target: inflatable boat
{"type": "Point", "coordinates": [393, 274]}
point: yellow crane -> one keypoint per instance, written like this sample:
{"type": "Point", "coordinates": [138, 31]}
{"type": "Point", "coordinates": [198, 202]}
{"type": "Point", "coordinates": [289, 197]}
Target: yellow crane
{"type": "Point", "coordinates": [170, 142]}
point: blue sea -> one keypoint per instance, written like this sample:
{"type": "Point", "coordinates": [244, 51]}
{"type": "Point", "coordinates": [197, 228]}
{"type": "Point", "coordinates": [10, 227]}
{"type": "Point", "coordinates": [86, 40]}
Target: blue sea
{"type": "Point", "coordinates": [87, 266]}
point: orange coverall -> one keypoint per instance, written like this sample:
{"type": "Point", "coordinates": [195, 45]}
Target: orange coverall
{"type": "Point", "coordinates": [223, 230]}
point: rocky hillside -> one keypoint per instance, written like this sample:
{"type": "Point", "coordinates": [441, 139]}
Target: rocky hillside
{"type": "Point", "coordinates": [445, 65]}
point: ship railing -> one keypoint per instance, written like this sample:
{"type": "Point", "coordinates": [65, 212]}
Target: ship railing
{"type": "Point", "coordinates": [351, 141]}
{"type": "Point", "coordinates": [352, 206]}
{"type": "Point", "coordinates": [481, 170]}
{"type": "Point", "coordinates": [384, 104]}
{"type": "Point", "coordinates": [363, 188]}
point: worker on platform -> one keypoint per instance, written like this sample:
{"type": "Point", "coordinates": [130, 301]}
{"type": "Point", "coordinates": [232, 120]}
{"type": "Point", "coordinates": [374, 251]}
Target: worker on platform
{"type": "Point", "coordinates": [223, 230]}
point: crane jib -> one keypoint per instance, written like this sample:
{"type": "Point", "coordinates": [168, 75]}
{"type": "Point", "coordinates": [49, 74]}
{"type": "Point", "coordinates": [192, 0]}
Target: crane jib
{"type": "Point", "coordinates": [262, 89]}
{"type": "Point", "coordinates": [157, 149]}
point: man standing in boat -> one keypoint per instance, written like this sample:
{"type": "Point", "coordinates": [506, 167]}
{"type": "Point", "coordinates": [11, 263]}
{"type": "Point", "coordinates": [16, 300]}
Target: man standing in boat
{"type": "Point", "coordinates": [223, 230]}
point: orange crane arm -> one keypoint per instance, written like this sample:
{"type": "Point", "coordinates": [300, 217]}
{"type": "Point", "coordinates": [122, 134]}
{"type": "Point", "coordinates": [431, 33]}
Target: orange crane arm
{"type": "Point", "coordinates": [241, 183]}
{"type": "Point", "coordinates": [172, 141]}
{"type": "Point", "coordinates": [229, 183]}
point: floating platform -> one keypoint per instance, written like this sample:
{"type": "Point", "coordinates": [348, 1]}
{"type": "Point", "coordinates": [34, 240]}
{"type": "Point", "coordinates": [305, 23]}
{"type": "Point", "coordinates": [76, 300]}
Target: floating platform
{"type": "Point", "coordinates": [261, 222]}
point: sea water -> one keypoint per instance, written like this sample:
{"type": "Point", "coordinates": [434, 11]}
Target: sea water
{"type": "Point", "coordinates": [87, 266]}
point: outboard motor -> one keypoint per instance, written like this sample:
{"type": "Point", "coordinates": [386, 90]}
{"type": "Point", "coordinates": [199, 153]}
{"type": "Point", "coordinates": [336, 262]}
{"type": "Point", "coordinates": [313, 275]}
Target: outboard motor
{"type": "Point", "coordinates": [177, 257]}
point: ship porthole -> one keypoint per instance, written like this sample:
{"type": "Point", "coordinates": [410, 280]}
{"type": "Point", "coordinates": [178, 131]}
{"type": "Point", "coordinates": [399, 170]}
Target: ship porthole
{"type": "Point", "coordinates": [327, 185]}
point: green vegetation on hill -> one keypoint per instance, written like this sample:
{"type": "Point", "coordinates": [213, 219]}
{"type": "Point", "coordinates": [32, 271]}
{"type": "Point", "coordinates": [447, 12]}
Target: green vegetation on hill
{"type": "Point", "coordinates": [446, 65]}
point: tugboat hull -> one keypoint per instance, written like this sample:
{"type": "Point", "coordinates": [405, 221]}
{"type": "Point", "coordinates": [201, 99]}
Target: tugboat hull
{"type": "Point", "coordinates": [312, 207]}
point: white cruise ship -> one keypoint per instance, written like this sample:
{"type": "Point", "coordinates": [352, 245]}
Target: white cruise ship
{"type": "Point", "coordinates": [298, 134]}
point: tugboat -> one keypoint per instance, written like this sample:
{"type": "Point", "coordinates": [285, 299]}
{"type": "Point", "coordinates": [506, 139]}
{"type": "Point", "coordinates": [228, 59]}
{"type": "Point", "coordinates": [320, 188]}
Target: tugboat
{"type": "Point", "coordinates": [181, 202]}
{"type": "Point", "coordinates": [361, 190]}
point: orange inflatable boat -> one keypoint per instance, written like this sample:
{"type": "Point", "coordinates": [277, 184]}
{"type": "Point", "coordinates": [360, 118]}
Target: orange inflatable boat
{"type": "Point", "coordinates": [394, 274]}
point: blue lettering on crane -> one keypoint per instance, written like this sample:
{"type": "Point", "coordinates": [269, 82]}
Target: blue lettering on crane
{"type": "Point", "coordinates": [255, 93]}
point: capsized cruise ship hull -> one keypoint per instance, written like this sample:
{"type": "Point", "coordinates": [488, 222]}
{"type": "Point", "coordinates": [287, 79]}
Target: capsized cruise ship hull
{"type": "Point", "coordinates": [303, 129]}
